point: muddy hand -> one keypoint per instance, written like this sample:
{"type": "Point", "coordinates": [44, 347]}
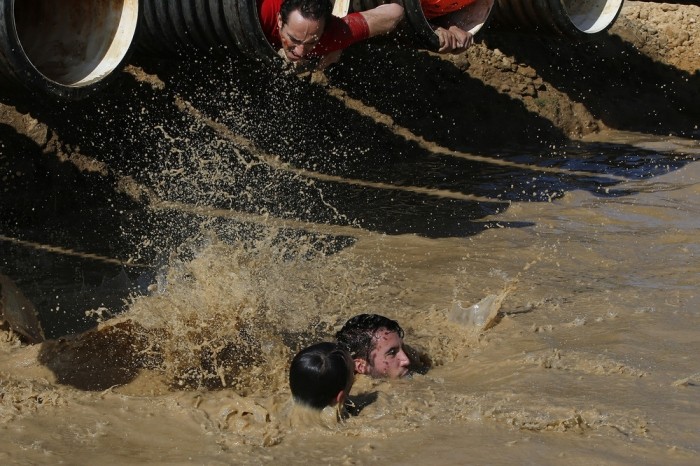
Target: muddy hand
{"type": "Point", "coordinates": [464, 39]}
{"type": "Point", "coordinates": [454, 40]}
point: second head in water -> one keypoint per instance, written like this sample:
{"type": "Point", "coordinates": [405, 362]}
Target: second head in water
{"type": "Point", "coordinates": [321, 375]}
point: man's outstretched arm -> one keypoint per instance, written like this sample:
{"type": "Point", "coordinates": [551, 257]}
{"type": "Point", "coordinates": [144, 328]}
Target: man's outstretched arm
{"type": "Point", "coordinates": [383, 19]}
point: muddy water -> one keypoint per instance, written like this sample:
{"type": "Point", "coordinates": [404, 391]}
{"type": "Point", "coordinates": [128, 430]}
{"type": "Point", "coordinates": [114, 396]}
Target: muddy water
{"type": "Point", "coordinates": [592, 253]}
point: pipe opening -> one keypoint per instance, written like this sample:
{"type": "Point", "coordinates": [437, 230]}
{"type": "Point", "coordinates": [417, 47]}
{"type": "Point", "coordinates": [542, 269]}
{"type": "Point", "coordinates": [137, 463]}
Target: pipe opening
{"type": "Point", "coordinates": [75, 42]}
{"type": "Point", "coordinates": [592, 16]}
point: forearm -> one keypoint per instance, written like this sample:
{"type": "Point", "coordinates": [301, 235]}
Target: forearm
{"type": "Point", "coordinates": [383, 19]}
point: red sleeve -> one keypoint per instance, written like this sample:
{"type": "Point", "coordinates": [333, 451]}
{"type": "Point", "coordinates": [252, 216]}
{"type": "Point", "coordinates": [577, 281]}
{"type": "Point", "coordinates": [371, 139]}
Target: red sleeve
{"type": "Point", "coordinates": [436, 8]}
{"type": "Point", "coordinates": [341, 33]}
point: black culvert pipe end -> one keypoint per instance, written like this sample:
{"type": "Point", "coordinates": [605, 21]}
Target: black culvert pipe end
{"type": "Point", "coordinates": [214, 27]}
{"type": "Point", "coordinates": [578, 20]}
{"type": "Point", "coordinates": [417, 27]}
{"type": "Point", "coordinates": [250, 38]}
{"type": "Point", "coordinates": [68, 49]}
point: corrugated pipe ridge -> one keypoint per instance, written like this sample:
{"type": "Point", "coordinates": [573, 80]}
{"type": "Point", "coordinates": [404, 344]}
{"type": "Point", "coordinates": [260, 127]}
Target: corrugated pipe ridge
{"type": "Point", "coordinates": [216, 26]}
{"type": "Point", "coordinates": [576, 19]}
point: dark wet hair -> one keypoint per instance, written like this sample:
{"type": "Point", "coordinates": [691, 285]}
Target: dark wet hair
{"type": "Point", "coordinates": [318, 373]}
{"type": "Point", "coordinates": [357, 335]}
{"type": "Point", "coordinates": [309, 9]}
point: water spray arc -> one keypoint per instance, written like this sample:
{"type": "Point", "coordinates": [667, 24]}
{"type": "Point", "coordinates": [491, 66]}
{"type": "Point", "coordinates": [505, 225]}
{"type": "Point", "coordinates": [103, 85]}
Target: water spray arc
{"type": "Point", "coordinates": [67, 49]}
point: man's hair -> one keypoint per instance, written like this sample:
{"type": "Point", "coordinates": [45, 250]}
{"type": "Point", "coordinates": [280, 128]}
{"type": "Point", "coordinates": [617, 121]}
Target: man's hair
{"type": "Point", "coordinates": [318, 373]}
{"type": "Point", "coordinates": [309, 9]}
{"type": "Point", "coordinates": [357, 335]}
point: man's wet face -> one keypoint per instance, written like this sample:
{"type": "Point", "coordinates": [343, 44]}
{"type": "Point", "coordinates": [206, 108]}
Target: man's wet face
{"type": "Point", "coordinates": [299, 35]}
{"type": "Point", "coordinates": [388, 358]}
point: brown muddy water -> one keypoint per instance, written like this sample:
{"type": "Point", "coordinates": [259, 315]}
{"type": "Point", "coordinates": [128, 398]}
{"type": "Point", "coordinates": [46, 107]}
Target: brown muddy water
{"type": "Point", "coordinates": [593, 362]}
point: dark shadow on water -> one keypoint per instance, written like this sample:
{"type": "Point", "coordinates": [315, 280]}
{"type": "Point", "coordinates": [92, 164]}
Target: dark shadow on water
{"type": "Point", "coordinates": [401, 212]}
{"type": "Point", "coordinates": [62, 240]}
{"type": "Point", "coordinates": [95, 361]}
{"type": "Point", "coordinates": [356, 403]}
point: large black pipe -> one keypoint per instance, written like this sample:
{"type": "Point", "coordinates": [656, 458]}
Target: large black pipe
{"type": "Point", "coordinates": [575, 19]}
{"type": "Point", "coordinates": [217, 26]}
{"type": "Point", "coordinates": [65, 49]}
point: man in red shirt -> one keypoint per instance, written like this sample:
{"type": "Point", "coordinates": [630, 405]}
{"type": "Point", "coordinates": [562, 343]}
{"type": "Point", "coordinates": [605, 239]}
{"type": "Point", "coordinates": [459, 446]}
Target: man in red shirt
{"type": "Point", "coordinates": [306, 29]}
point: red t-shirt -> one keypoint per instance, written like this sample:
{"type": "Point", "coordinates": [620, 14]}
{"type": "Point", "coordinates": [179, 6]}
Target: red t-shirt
{"type": "Point", "coordinates": [435, 8]}
{"type": "Point", "coordinates": [339, 33]}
